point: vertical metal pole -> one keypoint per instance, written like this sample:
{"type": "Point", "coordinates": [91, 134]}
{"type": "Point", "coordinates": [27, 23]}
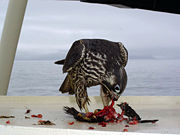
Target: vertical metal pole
{"type": "Point", "coordinates": [9, 40]}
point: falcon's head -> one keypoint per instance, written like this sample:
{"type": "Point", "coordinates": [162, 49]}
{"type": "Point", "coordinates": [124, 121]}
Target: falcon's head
{"type": "Point", "coordinates": [115, 83]}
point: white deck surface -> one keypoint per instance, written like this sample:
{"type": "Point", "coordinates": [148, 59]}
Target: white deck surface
{"type": "Point", "coordinates": [166, 109]}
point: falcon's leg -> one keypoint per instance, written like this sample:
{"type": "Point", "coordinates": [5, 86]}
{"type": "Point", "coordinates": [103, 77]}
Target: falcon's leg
{"type": "Point", "coordinates": [105, 96]}
{"type": "Point", "coordinates": [86, 108]}
{"type": "Point", "coordinates": [82, 96]}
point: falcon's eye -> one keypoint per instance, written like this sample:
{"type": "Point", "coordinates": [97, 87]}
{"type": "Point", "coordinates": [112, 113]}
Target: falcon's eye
{"type": "Point", "coordinates": [117, 88]}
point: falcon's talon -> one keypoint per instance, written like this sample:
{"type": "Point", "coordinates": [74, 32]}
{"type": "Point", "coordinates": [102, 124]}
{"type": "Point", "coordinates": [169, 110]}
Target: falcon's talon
{"type": "Point", "coordinates": [91, 62]}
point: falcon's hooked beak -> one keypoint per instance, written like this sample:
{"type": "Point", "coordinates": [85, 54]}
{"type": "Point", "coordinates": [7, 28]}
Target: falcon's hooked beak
{"type": "Point", "coordinates": [116, 84]}
{"type": "Point", "coordinates": [114, 96]}
{"type": "Point", "coordinates": [110, 91]}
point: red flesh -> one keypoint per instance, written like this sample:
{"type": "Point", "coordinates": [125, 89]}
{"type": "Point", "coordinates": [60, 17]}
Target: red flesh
{"type": "Point", "coordinates": [103, 124]}
{"type": "Point", "coordinates": [89, 114]}
{"type": "Point", "coordinates": [37, 116]}
{"type": "Point", "coordinates": [41, 121]}
{"type": "Point", "coordinates": [110, 116]}
{"type": "Point", "coordinates": [91, 127]}
{"type": "Point", "coordinates": [8, 122]}
{"type": "Point", "coordinates": [134, 122]}
{"type": "Point", "coordinates": [125, 130]}
{"type": "Point", "coordinates": [71, 123]}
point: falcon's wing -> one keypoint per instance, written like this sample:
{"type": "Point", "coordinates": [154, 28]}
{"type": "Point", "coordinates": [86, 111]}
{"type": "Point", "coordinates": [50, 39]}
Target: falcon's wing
{"type": "Point", "coordinates": [74, 56]}
{"type": "Point", "coordinates": [123, 54]}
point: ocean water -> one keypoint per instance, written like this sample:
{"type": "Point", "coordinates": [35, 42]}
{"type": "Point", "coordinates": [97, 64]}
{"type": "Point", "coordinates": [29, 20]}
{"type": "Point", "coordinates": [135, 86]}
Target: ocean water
{"type": "Point", "coordinates": [145, 78]}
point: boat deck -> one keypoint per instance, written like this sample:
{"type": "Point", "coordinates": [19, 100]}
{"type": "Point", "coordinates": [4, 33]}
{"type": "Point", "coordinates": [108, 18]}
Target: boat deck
{"type": "Point", "coordinates": [166, 109]}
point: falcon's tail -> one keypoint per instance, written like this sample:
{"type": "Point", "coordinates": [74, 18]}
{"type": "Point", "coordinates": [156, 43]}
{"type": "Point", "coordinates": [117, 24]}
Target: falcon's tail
{"type": "Point", "coordinates": [66, 86]}
{"type": "Point", "coordinates": [60, 62]}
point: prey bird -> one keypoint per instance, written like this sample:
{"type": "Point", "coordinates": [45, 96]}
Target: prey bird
{"type": "Point", "coordinates": [92, 62]}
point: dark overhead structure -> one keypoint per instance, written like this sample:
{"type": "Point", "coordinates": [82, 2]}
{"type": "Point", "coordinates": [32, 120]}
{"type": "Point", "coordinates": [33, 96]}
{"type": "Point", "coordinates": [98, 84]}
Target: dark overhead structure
{"type": "Point", "coordinates": [170, 6]}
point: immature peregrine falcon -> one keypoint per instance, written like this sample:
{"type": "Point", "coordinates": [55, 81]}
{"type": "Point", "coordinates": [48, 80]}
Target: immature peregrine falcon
{"type": "Point", "coordinates": [91, 62]}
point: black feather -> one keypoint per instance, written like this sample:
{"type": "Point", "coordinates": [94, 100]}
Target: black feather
{"type": "Point", "coordinates": [71, 111]}
{"type": "Point", "coordinates": [128, 111]}
{"type": "Point", "coordinates": [81, 116]}
{"type": "Point", "coordinates": [131, 113]}
{"type": "Point", "coordinates": [148, 121]}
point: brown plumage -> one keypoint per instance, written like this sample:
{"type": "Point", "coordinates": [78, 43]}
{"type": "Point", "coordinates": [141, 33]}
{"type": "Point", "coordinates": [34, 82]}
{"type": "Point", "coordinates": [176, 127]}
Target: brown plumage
{"type": "Point", "coordinates": [91, 62]}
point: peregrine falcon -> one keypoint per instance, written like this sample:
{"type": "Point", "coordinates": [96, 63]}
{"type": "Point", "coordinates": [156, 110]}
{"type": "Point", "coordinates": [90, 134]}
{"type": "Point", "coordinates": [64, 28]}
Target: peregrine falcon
{"type": "Point", "coordinates": [92, 62]}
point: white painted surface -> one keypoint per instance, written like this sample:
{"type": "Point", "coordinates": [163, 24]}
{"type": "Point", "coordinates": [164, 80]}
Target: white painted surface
{"type": "Point", "coordinates": [166, 109]}
{"type": "Point", "coordinates": [9, 40]}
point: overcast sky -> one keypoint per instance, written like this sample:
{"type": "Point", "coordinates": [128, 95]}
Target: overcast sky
{"type": "Point", "coordinates": [50, 27]}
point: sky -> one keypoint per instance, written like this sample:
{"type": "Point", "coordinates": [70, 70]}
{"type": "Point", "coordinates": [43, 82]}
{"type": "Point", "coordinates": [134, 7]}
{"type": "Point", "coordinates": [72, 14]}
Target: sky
{"type": "Point", "coordinates": [50, 27]}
